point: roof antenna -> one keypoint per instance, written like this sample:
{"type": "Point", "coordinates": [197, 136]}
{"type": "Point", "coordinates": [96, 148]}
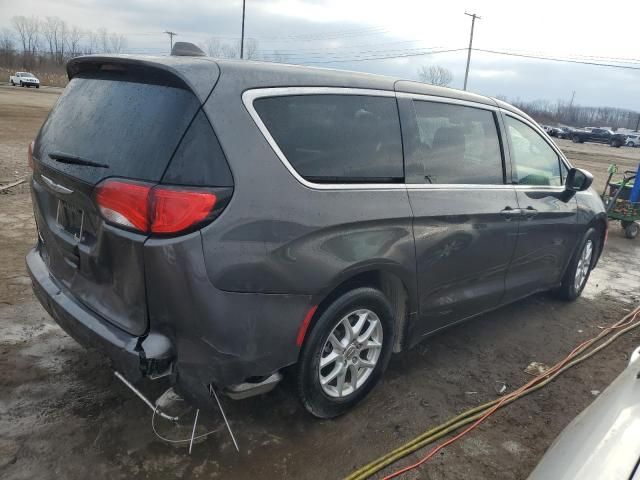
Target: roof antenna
{"type": "Point", "coordinates": [186, 49]}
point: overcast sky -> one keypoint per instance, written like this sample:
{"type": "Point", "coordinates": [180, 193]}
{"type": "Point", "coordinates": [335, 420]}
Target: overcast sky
{"type": "Point", "coordinates": [318, 31]}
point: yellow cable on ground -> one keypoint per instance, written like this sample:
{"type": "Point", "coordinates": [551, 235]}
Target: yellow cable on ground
{"type": "Point", "coordinates": [474, 414]}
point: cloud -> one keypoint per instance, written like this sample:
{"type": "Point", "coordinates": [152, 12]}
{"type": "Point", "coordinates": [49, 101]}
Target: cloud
{"type": "Point", "coordinates": [313, 31]}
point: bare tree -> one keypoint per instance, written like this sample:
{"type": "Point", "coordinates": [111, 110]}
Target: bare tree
{"type": "Point", "coordinates": [230, 50]}
{"type": "Point", "coordinates": [110, 42]}
{"type": "Point", "coordinates": [92, 44]}
{"type": "Point", "coordinates": [28, 30]}
{"type": "Point", "coordinates": [213, 47]}
{"type": "Point", "coordinates": [435, 75]}
{"type": "Point", "coordinates": [7, 48]}
{"type": "Point", "coordinates": [250, 49]}
{"type": "Point", "coordinates": [117, 42]}
{"type": "Point", "coordinates": [55, 33]}
{"type": "Point", "coordinates": [73, 41]}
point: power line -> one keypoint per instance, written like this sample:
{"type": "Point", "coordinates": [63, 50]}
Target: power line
{"type": "Point", "coordinates": [554, 59]}
{"type": "Point", "coordinates": [418, 54]}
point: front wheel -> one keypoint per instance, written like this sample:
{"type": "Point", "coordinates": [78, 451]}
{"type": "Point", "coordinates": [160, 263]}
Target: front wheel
{"type": "Point", "coordinates": [577, 273]}
{"type": "Point", "coordinates": [575, 139]}
{"type": "Point", "coordinates": [346, 352]}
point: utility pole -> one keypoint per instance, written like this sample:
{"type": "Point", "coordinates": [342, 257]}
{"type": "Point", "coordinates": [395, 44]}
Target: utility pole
{"type": "Point", "coordinates": [242, 37]}
{"type": "Point", "coordinates": [473, 22]}
{"type": "Point", "coordinates": [171, 35]}
{"type": "Point", "coordinates": [573, 96]}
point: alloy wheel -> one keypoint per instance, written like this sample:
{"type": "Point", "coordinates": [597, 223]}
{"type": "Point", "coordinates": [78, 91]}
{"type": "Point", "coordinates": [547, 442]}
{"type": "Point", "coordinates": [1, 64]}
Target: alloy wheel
{"type": "Point", "coordinates": [350, 353]}
{"type": "Point", "coordinates": [584, 264]}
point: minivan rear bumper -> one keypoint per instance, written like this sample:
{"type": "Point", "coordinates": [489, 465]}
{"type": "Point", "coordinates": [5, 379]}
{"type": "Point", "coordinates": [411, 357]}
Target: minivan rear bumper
{"type": "Point", "coordinates": [81, 324]}
{"type": "Point", "coordinates": [215, 337]}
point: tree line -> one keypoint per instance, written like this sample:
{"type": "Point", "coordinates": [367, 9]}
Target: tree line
{"type": "Point", "coordinates": [566, 113]}
{"type": "Point", "coordinates": [33, 42]}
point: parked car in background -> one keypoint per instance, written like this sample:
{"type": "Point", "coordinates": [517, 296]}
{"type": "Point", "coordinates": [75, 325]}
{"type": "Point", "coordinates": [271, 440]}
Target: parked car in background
{"type": "Point", "coordinates": [24, 79]}
{"type": "Point", "coordinates": [633, 140]}
{"type": "Point", "coordinates": [565, 132]}
{"type": "Point", "coordinates": [602, 442]}
{"type": "Point", "coordinates": [599, 135]}
{"type": "Point", "coordinates": [347, 217]}
{"type": "Point", "coordinates": [554, 131]}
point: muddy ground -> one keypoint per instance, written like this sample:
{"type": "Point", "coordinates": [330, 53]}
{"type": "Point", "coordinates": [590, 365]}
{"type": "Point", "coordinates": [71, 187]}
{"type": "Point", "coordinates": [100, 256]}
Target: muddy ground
{"type": "Point", "coordinates": [63, 415]}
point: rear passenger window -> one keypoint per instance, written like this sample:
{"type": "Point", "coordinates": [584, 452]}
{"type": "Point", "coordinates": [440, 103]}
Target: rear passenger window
{"type": "Point", "coordinates": [458, 144]}
{"type": "Point", "coordinates": [337, 138]}
{"type": "Point", "coordinates": [534, 161]}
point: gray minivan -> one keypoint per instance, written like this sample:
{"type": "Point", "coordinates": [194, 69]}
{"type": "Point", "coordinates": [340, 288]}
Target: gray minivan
{"type": "Point", "coordinates": [215, 222]}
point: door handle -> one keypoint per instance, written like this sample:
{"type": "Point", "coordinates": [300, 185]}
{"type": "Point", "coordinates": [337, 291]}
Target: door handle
{"type": "Point", "coordinates": [508, 213]}
{"type": "Point", "coordinates": [530, 212]}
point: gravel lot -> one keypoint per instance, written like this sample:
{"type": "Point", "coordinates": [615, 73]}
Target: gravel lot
{"type": "Point", "coordinates": [63, 415]}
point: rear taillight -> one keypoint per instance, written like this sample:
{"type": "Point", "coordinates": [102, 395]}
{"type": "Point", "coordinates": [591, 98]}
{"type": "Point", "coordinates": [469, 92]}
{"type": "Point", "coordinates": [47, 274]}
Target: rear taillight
{"type": "Point", "coordinates": [30, 155]}
{"type": "Point", "coordinates": [125, 203]}
{"type": "Point", "coordinates": [158, 209]}
{"type": "Point", "coordinates": [175, 210]}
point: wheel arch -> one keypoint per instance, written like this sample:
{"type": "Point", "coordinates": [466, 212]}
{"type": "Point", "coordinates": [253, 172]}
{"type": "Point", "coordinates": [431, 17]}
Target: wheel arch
{"type": "Point", "coordinates": [389, 281]}
{"type": "Point", "coordinates": [599, 223]}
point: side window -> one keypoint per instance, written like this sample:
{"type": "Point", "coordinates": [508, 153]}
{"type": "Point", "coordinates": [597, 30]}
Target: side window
{"type": "Point", "coordinates": [534, 161]}
{"type": "Point", "coordinates": [337, 138]}
{"type": "Point", "coordinates": [199, 159]}
{"type": "Point", "coordinates": [458, 144]}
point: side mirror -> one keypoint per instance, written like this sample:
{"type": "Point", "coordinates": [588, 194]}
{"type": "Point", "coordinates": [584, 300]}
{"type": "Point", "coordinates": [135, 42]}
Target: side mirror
{"type": "Point", "coordinates": [578, 180]}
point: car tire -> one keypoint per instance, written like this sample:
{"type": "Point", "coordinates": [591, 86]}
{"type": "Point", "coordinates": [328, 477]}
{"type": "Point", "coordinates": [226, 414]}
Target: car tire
{"type": "Point", "coordinates": [37, 86]}
{"type": "Point", "coordinates": [631, 230]}
{"type": "Point", "coordinates": [13, 83]}
{"type": "Point", "coordinates": [573, 282]}
{"type": "Point", "coordinates": [363, 307]}
{"type": "Point", "coordinates": [575, 139]}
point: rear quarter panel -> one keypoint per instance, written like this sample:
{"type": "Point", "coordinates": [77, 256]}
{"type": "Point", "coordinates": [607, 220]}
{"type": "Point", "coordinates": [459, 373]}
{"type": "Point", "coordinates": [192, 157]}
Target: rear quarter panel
{"type": "Point", "coordinates": [279, 236]}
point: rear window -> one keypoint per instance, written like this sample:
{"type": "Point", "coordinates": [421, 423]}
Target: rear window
{"type": "Point", "coordinates": [337, 138]}
{"type": "Point", "coordinates": [131, 128]}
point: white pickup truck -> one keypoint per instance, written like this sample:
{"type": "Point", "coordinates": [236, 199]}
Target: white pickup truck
{"type": "Point", "coordinates": [24, 79]}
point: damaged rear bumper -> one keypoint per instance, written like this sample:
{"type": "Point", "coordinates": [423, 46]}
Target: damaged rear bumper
{"type": "Point", "coordinates": [134, 356]}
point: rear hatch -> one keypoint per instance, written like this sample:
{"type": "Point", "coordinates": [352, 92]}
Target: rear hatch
{"type": "Point", "coordinates": [113, 120]}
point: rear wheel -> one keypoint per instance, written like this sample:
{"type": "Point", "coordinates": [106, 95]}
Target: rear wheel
{"type": "Point", "coordinates": [579, 269]}
{"type": "Point", "coordinates": [346, 352]}
{"type": "Point", "coordinates": [575, 139]}
{"type": "Point", "coordinates": [631, 230]}
{"type": "Point", "coordinates": [13, 83]}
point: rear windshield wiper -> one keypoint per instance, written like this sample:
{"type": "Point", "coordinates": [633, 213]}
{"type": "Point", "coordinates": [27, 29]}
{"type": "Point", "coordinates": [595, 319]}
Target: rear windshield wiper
{"type": "Point", "coordinates": [66, 158]}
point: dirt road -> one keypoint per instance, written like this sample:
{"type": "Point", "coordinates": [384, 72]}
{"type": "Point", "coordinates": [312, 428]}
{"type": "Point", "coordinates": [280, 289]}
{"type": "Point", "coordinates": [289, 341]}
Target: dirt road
{"type": "Point", "coordinates": [63, 415]}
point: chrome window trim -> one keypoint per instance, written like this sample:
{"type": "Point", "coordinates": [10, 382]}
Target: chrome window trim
{"type": "Point", "coordinates": [451, 101]}
{"type": "Point", "coordinates": [248, 97]}
{"type": "Point", "coordinates": [457, 186]}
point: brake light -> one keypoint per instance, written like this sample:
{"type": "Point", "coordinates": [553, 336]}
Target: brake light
{"type": "Point", "coordinates": [30, 155]}
{"type": "Point", "coordinates": [155, 209]}
{"type": "Point", "coordinates": [176, 210]}
{"type": "Point", "coordinates": [125, 203]}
